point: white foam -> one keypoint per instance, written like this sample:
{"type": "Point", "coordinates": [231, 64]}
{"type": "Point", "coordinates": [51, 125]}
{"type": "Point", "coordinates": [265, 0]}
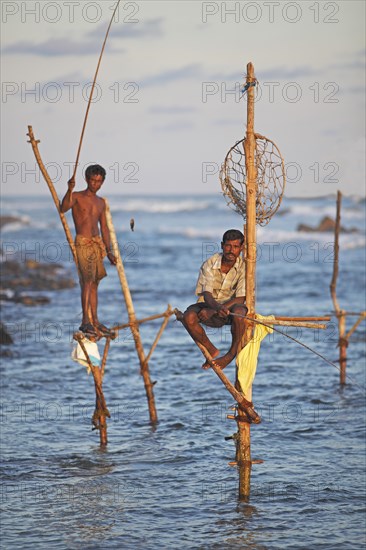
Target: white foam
{"type": "Point", "coordinates": [156, 206]}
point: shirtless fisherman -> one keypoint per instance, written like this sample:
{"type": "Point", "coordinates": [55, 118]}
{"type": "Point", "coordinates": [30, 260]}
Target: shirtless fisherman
{"type": "Point", "coordinates": [88, 212]}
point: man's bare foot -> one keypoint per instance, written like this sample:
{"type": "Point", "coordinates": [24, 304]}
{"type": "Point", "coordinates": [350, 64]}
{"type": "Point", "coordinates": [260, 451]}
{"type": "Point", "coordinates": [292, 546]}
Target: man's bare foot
{"type": "Point", "coordinates": [206, 364]}
{"type": "Point", "coordinates": [223, 361]}
{"type": "Point", "coordinates": [104, 331]}
{"type": "Point", "coordinates": [88, 328]}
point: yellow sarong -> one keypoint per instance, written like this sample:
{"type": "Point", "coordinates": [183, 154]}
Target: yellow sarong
{"type": "Point", "coordinates": [247, 358]}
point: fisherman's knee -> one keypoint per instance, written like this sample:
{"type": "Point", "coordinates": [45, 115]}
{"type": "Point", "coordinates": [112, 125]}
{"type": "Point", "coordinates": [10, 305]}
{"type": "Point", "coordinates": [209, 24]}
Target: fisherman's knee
{"type": "Point", "coordinates": [190, 317]}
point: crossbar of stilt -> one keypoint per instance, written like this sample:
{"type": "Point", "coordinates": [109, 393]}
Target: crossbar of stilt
{"type": "Point", "coordinates": [166, 313]}
{"type": "Point", "coordinates": [359, 320]}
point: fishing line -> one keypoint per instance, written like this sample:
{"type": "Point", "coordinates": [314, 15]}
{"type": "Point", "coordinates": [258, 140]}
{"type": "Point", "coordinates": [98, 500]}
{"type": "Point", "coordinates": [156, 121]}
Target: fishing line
{"type": "Point", "coordinates": [301, 344]}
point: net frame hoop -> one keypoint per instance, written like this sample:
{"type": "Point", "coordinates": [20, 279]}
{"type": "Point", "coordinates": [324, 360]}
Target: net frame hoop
{"type": "Point", "coordinates": [228, 189]}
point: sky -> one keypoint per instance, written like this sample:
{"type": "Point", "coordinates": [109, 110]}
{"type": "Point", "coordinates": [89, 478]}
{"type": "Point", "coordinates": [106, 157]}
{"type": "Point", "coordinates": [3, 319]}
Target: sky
{"type": "Point", "coordinates": [168, 103]}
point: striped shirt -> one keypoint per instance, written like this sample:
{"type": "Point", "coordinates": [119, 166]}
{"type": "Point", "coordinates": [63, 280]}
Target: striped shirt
{"type": "Point", "coordinates": [223, 286]}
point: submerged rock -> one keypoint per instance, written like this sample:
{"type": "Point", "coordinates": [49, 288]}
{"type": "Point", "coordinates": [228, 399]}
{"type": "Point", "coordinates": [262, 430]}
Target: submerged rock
{"type": "Point", "coordinates": [31, 275]}
{"type": "Point", "coordinates": [4, 220]}
{"type": "Point", "coordinates": [326, 225]}
{"type": "Point", "coordinates": [5, 337]}
{"type": "Point", "coordinates": [16, 278]}
{"type": "Point", "coordinates": [25, 299]}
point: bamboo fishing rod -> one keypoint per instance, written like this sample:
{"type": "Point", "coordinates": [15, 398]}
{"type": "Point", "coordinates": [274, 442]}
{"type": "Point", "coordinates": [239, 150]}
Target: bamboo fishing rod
{"type": "Point", "coordinates": [92, 90]}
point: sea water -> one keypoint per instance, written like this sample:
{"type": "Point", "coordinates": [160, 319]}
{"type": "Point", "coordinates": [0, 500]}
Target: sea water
{"type": "Point", "coordinates": [171, 486]}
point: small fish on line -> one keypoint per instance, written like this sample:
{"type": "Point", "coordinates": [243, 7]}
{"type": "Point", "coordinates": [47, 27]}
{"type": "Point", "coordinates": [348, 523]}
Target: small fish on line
{"type": "Point", "coordinates": [132, 224]}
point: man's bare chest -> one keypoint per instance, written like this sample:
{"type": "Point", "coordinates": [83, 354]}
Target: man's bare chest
{"type": "Point", "coordinates": [84, 208]}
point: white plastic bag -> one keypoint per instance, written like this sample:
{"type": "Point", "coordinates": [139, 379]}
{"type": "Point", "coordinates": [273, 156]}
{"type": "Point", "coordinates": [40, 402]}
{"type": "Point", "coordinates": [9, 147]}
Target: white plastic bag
{"type": "Point", "coordinates": [78, 354]}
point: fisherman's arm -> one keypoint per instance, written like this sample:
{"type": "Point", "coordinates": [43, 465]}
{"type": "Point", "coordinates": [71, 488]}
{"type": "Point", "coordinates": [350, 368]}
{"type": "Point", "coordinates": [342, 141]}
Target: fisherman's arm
{"type": "Point", "coordinates": [204, 288]}
{"type": "Point", "coordinates": [233, 301]}
{"type": "Point", "coordinates": [220, 309]}
{"type": "Point", "coordinates": [68, 200]}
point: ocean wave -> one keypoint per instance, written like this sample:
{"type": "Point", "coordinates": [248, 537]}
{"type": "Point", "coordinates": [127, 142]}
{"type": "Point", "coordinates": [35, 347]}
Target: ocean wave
{"type": "Point", "coordinates": [213, 234]}
{"type": "Point", "coordinates": [31, 224]}
{"type": "Point", "coordinates": [353, 243]}
{"type": "Point", "coordinates": [347, 240]}
{"type": "Point", "coordinates": [266, 235]}
{"type": "Point", "coordinates": [156, 206]}
{"type": "Point", "coordinates": [311, 210]}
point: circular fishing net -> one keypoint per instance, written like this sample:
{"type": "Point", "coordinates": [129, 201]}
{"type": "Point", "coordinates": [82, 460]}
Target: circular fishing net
{"type": "Point", "coordinates": [270, 178]}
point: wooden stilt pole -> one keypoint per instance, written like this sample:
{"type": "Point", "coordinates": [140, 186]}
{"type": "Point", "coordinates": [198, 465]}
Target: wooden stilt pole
{"type": "Point", "coordinates": [132, 320]}
{"type": "Point", "coordinates": [243, 403]}
{"type": "Point", "coordinates": [243, 454]}
{"type": "Point", "coordinates": [158, 336]}
{"type": "Point", "coordinates": [99, 419]}
{"type": "Point", "coordinates": [343, 343]}
{"type": "Point", "coordinates": [34, 144]}
{"type": "Point", "coordinates": [103, 420]}
{"type": "Point", "coordinates": [251, 192]}
{"type": "Point", "coordinates": [341, 315]}
{"type": "Point", "coordinates": [101, 411]}
{"type": "Point", "coordinates": [105, 354]}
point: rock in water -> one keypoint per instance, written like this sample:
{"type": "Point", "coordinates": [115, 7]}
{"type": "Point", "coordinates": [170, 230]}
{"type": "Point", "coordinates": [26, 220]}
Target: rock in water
{"type": "Point", "coordinates": [5, 337]}
{"type": "Point", "coordinates": [326, 225]}
{"type": "Point", "coordinates": [34, 276]}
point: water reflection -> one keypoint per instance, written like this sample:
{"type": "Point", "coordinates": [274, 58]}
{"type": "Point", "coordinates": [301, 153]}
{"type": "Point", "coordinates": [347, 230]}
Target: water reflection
{"type": "Point", "coordinates": [244, 530]}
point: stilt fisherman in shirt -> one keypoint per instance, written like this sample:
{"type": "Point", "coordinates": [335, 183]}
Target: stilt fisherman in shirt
{"type": "Point", "coordinates": [221, 291]}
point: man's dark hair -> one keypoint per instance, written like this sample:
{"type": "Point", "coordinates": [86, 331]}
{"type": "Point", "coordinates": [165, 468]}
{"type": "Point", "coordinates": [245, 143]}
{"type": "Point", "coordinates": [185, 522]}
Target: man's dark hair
{"type": "Point", "coordinates": [233, 235]}
{"type": "Point", "coordinates": [95, 170]}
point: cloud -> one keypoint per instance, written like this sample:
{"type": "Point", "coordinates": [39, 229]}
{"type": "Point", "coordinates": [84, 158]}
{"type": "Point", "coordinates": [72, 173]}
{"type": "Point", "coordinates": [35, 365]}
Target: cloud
{"type": "Point", "coordinates": [354, 90]}
{"type": "Point", "coordinates": [355, 64]}
{"type": "Point", "coordinates": [172, 110]}
{"type": "Point", "coordinates": [292, 73]}
{"type": "Point", "coordinates": [226, 122]}
{"type": "Point", "coordinates": [56, 47]}
{"type": "Point", "coordinates": [172, 75]}
{"type": "Point", "coordinates": [173, 127]}
{"type": "Point", "coordinates": [91, 44]}
{"type": "Point", "coordinates": [147, 29]}
{"type": "Point", "coordinates": [228, 77]}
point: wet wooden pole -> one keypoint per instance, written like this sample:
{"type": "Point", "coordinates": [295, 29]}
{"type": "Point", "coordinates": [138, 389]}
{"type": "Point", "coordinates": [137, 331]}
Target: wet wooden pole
{"type": "Point", "coordinates": [101, 412]}
{"type": "Point", "coordinates": [144, 366]}
{"type": "Point", "coordinates": [243, 454]}
{"type": "Point", "coordinates": [341, 314]}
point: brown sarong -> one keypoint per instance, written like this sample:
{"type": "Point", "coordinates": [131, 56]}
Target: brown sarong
{"type": "Point", "coordinates": [90, 252]}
